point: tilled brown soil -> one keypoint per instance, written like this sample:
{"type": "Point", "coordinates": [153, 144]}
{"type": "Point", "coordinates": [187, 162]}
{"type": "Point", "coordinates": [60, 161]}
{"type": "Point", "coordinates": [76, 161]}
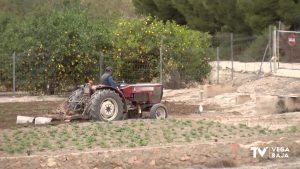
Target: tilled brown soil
{"type": "Point", "coordinates": [10, 111]}
{"type": "Point", "coordinates": [181, 109]}
{"type": "Point", "coordinates": [213, 153]}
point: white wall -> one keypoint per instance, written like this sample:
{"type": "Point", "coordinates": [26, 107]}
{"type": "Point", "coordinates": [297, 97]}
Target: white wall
{"type": "Point", "coordinates": [285, 69]}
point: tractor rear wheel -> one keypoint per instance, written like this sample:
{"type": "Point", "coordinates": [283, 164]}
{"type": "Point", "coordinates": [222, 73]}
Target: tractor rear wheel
{"type": "Point", "coordinates": [105, 105]}
{"type": "Point", "coordinates": [158, 111]}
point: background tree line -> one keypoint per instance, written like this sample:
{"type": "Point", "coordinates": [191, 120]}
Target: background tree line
{"type": "Point", "coordinates": [239, 16]}
{"type": "Point", "coordinates": [248, 18]}
{"type": "Point", "coordinates": [59, 44]}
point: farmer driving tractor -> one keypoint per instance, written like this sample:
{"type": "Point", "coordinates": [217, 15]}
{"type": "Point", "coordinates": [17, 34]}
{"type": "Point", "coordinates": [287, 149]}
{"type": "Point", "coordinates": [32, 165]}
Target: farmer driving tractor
{"type": "Point", "coordinates": [100, 102]}
{"type": "Point", "coordinates": [106, 78]}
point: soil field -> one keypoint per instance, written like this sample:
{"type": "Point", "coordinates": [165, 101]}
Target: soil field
{"type": "Point", "coordinates": [127, 134]}
{"type": "Point", "coordinates": [9, 111]}
{"type": "Point", "coordinates": [219, 136]}
{"type": "Point", "coordinates": [185, 128]}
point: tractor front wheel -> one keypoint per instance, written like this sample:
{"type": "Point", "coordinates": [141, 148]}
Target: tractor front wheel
{"type": "Point", "coordinates": [158, 111]}
{"type": "Point", "coordinates": [105, 105]}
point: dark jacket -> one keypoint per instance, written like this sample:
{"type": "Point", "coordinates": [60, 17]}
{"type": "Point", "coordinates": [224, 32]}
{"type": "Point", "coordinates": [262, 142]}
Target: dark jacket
{"type": "Point", "coordinates": [106, 79]}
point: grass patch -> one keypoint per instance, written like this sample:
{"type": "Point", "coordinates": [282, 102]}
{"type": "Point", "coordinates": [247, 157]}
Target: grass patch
{"type": "Point", "coordinates": [124, 134]}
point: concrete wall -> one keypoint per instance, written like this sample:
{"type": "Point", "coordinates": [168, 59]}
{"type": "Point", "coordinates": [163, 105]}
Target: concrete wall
{"type": "Point", "coordinates": [284, 69]}
{"type": "Point", "coordinates": [254, 66]}
{"type": "Point", "coordinates": [277, 104]}
{"type": "Point", "coordinates": [214, 90]}
{"type": "Point", "coordinates": [244, 66]}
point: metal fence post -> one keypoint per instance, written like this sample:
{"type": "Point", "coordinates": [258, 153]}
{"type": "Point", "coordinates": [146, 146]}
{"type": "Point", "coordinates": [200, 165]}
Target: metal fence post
{"type": "Point", "coordinates": [263, 59]}
{"type": "Point", "coordinates": [275, 49]}
{"type": "Point", "coordinates": [100, 65]}
{"type": "Point", "coordinates": [14, 73]}
{"type": "Point", "coordinates": [270, 47]}
{"type": "Point", "coordinates": [231, 54]}
{"type": "Point", "coordinates": [277, 44]}
{"type": "Point", "coordinates": [161, 60]}
{"type": "Point", "coordinates": [218, 59]}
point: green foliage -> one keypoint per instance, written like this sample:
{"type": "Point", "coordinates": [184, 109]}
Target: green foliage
{"type": "Point", "coordinates": [136, 44]}
{"type": "Point", "coordinates": [163, 9]}
{"type": "Point", "coordinates": [204, 15]}
{"type": "Point", "coordinates": [259, 14]}
{"type": "Point", "coordinates": [289, 10]}
{"type": "Point", "coordinates": [240, 16]}
{"type": "Point", "coordinates": [229, 17]}
{"type": "Point", "coordinates": [54, 47]}
{"type": "Point", "coordinates": [109, 9]}
{"type": "Point", "coordinates": [152, 133]}
{"type": "Point", "coordinates": [59, 46]}
{"type": "Point", "coordinates": [255, 50]}
{"type": "Point", "coordinates": [102, 9]}
{"type": "Point", "coordinates": [197, 15]}
{"type": "Point", "coordinates": [11, 29]}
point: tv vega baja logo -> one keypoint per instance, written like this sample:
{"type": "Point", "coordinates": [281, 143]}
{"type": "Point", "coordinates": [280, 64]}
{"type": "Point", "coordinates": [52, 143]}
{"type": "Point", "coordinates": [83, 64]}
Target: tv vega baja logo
{"type": "Point", "coordinates": [271, 152]}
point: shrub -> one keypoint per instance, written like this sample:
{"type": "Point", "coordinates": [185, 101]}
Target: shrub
{"type": "Point", "coordinates": [60, 47]}
{"type": "Point", "coordinates": [56, 47]}
{"type": "Point", "coordinates": [136, 42]}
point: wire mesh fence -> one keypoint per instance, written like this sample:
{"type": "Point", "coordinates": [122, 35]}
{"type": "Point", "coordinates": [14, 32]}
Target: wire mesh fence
{"type": "Point", "coordinates": [173, 72]}
{"type": "Point", "coordinates": [288, 49]}
{"type": "Point", "coordinates": [239, 47]}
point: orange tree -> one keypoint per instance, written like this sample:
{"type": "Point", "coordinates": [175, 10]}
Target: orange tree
{"type": "Point", "coordinates": [60, 47]}
{"type": "Point", "coordinates": [135, 49]}
{"type": "Point", "coordinates": [55, 48]}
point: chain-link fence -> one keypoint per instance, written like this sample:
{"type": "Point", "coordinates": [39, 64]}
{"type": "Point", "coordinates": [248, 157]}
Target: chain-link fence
{"type": "Point", "coordinates": [242, 53]}
{"type": "Point", "coordinates": [174, 72]}
{"type": "Point", "coordinates": [19, 77]}
{"type": "Point", "coordinates": [243, 48]}
{"type": "Point", "coordinates": [288, 48]}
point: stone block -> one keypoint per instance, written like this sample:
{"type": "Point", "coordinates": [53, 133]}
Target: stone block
{"type": "Point", "coordinates": [277, 104]}
{"type": "Point", "coordinates": [214, 90]}
{"type": "Point", "coordinates": [243, 98]}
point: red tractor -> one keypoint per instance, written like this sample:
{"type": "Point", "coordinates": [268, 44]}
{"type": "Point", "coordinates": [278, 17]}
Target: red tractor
{"type": "Point", "coordinates": [99, 102]}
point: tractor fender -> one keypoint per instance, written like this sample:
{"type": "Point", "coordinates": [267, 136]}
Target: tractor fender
{"type": "Point", "coordinates": [117, 91]}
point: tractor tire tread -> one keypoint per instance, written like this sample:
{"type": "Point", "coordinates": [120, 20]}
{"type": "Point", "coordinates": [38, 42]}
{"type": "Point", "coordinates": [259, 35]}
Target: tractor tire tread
{"type": "Point", "coordinates": [154, 108]}
{"type": "Point", "coordinates": [92, 109]}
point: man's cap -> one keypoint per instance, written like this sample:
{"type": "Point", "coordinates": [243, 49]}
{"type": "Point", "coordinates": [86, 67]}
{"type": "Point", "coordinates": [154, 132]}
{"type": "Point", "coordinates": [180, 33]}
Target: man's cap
{"type": "Point", "coordinates": [108, 69]}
